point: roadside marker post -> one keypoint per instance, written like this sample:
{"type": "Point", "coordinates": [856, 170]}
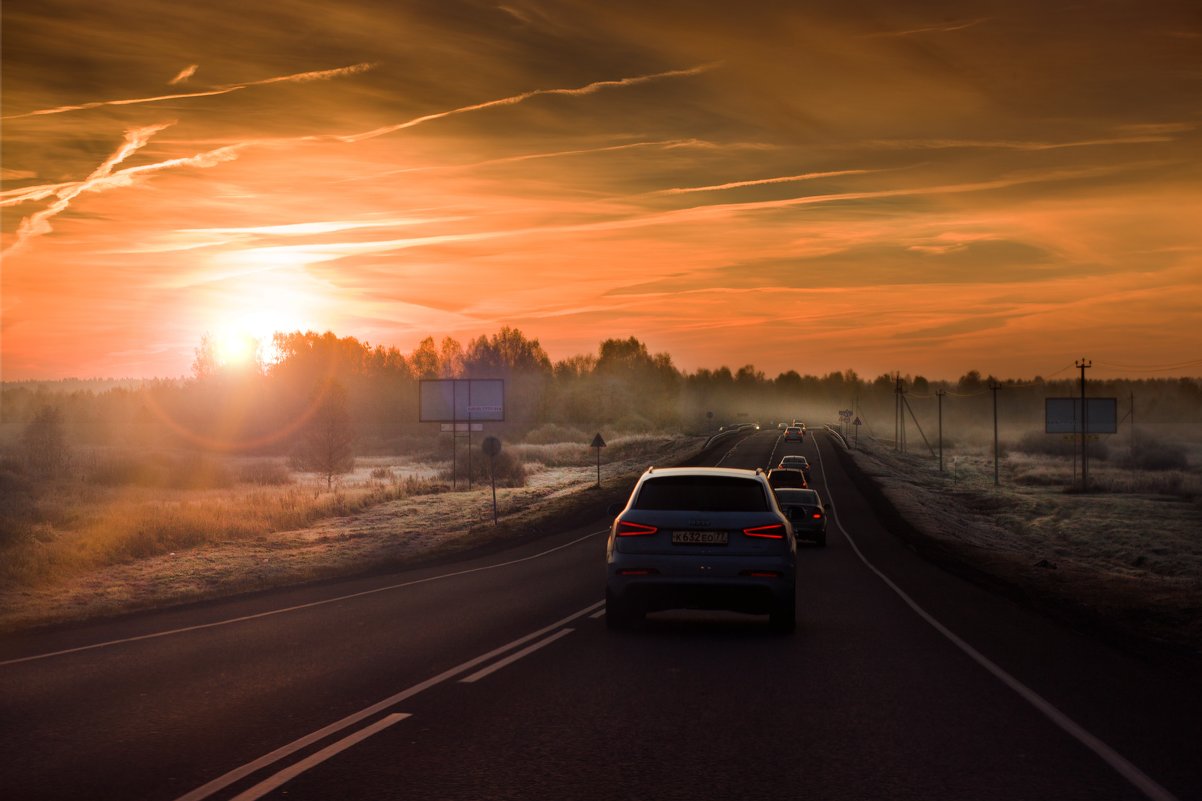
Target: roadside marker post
{"type": "Point", "coordinates": [598, 443]}
{"type": "Point", "coordinates": [492, 447]}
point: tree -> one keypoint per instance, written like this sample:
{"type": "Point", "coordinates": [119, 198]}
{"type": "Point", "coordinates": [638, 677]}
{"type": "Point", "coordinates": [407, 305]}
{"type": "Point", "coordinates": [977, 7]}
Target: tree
{"type": "Point", "coordinates": [327, 441]}
{"type": "Point", "coordinates": [45, 442]}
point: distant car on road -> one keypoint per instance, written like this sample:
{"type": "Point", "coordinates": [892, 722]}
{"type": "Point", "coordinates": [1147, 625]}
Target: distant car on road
{"type": "Point", "coordinates": [787, 477]}
{"type": "Point", "coordinates": [806, 512]}
{"type": "Point", "coordinates": [797, 463]}
{"type": "Point", "coordinates": [701, 538]}
{"type": "Point", "coordinates": [794, 434]}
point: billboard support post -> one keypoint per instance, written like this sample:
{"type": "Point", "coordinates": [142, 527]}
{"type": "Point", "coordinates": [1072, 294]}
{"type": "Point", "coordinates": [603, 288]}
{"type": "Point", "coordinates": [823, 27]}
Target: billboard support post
{"type": "Point", "coordinates": [443, 400]}
{"type": "Point", "coordinates": [1082, 365]}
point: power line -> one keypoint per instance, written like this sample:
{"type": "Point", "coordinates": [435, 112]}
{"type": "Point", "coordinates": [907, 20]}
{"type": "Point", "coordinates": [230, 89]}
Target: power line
{"type": "Point", "coordinates": [1163, 368]}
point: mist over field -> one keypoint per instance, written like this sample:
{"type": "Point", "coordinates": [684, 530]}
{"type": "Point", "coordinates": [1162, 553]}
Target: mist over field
{"type": "Point", "coordinates": [309, 445]}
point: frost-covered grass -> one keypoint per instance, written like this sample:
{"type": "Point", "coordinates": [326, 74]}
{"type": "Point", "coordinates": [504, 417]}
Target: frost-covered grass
{"type": "Point", "coordinates": [100, 548]}
{"type": "Point", "coordinates": [1130, 550]}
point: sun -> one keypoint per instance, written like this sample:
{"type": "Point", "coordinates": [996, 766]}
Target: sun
{"type": "Point", "coordinates": [235, 348]}
{"type": "Point", "coordinates": [245, 340]}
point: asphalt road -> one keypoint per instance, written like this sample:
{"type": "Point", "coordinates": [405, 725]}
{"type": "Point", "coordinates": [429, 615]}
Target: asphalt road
{"type": "Point", "coordinates": [496, 678]}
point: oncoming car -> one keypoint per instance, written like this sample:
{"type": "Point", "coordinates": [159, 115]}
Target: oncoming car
{"type": "Point", "coordinates": [701, 538]}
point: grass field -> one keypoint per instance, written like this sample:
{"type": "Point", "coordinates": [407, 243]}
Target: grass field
{"type": "Point", "coordinates": [161, 535]}
{"type": "Point", "coordinates": [1125, 557]}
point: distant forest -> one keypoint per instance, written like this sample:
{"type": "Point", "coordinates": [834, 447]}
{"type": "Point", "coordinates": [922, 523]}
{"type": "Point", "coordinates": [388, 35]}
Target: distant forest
{"type": "Point", "coordinates": [623, 387]}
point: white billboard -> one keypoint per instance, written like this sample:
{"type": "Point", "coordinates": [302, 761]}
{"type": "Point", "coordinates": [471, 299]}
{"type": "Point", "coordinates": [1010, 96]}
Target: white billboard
{"type": "Point", "coordinates": [455, 400]}
{"type": "Point", "coordinates": [1063, 416]}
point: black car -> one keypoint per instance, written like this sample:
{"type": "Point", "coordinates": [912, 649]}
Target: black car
{"type": "Point", "coordinates": [787, 477]}
{"type": "Point", "coordinates": [805, 511]}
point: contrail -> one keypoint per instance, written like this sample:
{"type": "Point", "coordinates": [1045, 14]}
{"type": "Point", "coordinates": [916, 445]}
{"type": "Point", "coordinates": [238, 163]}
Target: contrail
{"type": "Point", "coordinates": [587, 89]}
{"type": "Point", "coordinates": [39, 223]}
{"type": "Point", "coordinates": [809, 176]}
{"type": "Point", "coordinates": [300, 77]}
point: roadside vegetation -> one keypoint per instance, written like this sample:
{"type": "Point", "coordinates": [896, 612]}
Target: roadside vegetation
{"type": "Point", "coordinates": [1124, 558]}
{"type": "Point", "coordinates": [226, 470]}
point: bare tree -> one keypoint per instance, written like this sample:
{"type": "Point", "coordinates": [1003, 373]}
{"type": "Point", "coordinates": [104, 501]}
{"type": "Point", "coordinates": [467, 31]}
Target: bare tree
{"type": "Point", "coordinates": [327, 440]}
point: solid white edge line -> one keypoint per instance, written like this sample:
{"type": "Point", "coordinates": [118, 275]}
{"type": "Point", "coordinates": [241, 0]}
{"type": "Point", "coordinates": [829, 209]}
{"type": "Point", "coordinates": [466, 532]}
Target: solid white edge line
{"type": "Point", "coordinates": [287, 774]}
{"type": "Point", "coordinates": [237, 774]}
{"type": "Point", "coordinates": [299, 607]}
{"type": "Point", "coordinates": [509, 660]}
{"type": "Point", "coordinates": [1120, 764]}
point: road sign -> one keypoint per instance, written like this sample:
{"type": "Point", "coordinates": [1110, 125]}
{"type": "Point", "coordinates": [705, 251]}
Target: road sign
{"type": "Point", "coordinates": [857, 422]}
{"type": "Point", "coordinates": [461, 427]}
{"type": "Point", "coordinates": [598, 443]}
{"type": "Point", "coordinates": [491, 446]}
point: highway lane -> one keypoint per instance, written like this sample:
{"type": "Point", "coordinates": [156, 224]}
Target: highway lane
{"type": "Point", "coordinates": [868, 699]}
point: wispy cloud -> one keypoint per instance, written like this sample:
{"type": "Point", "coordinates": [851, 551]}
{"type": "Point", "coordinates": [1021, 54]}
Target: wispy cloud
{"type": "Point", "coordinates": [299, 77]}
{"type": "Point", "coordinates": [666, 144]}
{"type": "Point", "coordinates": [945, 28]}
{"type": "Point", "coordinates": [587, 89]}
{"type": "Point", "coordinates": [184, 74]}
{"type": "Point", "coordinates": [1160, 135]}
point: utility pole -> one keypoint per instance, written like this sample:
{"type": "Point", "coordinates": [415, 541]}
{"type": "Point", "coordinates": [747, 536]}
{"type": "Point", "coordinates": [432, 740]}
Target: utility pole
{"type": "Point", "coordinates": [1133, 426]}
{"type": "Point", "coordinates": [1082, 365]}
{"type": "Point", "coordinates": [939, 393]}
{"type": "Point", "coordinates": [897, 412]}
{"type": "Point", "coordinates": [994, 387]}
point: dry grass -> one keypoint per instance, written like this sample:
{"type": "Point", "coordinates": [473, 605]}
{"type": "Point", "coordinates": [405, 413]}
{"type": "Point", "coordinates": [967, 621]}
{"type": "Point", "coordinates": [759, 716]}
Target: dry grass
{"type": "Point", "coordinates": [98, 550]}
{"type": "Point", "coordinates": [85, 526]}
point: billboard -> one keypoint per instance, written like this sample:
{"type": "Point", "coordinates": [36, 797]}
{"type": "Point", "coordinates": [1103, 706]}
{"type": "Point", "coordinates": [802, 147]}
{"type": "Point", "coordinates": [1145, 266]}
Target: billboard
{"type": "Point", "coordinates": [1063, 416]}
{"type": "Point", "coordinates": [453, 400]}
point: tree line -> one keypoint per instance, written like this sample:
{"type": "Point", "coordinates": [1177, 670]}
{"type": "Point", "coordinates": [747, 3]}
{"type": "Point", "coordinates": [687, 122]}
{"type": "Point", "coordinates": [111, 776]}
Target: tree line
{"type": "Point", "coordinates": [266, 407]}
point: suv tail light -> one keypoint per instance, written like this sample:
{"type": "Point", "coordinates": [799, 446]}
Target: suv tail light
{"type": "Point", "coordinates": [629, 529]}
{"type": "Point", "coordinates": [771, 532]}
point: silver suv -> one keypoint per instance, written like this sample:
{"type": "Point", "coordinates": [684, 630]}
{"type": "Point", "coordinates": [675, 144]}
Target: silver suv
{"type": "Point", "coordinates": [701, 538]}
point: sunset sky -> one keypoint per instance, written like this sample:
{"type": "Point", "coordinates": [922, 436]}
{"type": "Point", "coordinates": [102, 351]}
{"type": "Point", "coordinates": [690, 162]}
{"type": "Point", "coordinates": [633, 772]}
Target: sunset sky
{"type": "Point", "coordinates": [930, 187]}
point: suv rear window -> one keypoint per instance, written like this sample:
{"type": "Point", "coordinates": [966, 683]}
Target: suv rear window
{"type": "Point", "coordinates": [702, 494]}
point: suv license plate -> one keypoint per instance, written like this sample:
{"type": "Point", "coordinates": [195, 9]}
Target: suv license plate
{"type": "Point", "coordinates": [698, 537]}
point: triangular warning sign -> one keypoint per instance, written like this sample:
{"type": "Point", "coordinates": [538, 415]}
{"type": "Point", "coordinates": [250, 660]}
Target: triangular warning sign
{"type": "Point", "coordinates": [597, 441]}
{"type": "Point", "coordinates": [857, 422]}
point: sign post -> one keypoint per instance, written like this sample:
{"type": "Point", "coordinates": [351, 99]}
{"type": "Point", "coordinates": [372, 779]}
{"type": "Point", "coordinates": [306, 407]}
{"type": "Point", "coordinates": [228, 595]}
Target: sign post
{"type": "Point", "coordinates": [1081, 417]}
{"type": "Point", "coordinates": [598, 443]}
{"type": "Point", "coordinates": [857, 423]}
{"type": "Point", "coordinates": [492, 447]}
{"type": "Point", "coordinates": [844, 420]}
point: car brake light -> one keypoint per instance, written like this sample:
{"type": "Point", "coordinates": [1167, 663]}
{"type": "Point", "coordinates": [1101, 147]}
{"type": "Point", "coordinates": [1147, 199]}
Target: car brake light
{"type": "Point", "coordinates": [817, 515]}
{"type": "Point", "coordinates": [639, 571]}
{"type": "Point", "coordinates": [773, 532]}
{"type": "Point", "coordinates": [628, 529]}
{"type": "Point", "coordinates": [761, 573]}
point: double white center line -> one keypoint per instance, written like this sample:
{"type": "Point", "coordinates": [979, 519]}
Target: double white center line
{"type": "Point", "coordinates": [557, 630]}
